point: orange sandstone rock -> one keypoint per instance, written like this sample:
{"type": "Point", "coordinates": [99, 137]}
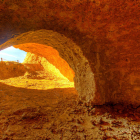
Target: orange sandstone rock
{"type": "Point", "coordinates": [11, 69]}
{"type": "Point", "coordinates": [48, 68]}
{"type": "Point", "coordinates": [50, 54]}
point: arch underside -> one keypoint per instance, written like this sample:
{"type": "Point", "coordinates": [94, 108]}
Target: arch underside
{"type": "Point", "coordinates": [68, 50]}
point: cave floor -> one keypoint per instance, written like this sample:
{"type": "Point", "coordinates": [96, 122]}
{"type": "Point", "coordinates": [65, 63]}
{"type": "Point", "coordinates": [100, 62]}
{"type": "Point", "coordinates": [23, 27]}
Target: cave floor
{"type": "Point", "coordinates": [54, 114]}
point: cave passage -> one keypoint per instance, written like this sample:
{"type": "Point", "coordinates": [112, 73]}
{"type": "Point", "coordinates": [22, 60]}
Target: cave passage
{"type": "Point", "coordinates": [39, 41]}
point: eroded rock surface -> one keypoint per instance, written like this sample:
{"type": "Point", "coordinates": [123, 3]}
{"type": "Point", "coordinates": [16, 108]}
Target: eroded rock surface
{"type": "Point", "coordinates": [102, 40]}
{"type": "Point", "coordinates": [107, 32]}
{"type": "Point", "coordinates": [49, 68]}
{"type": "Point", "coordinates": [54, 114]}
{"type": "Point", "coordinates": [11, 69]}
{"type": "Point", "coordinates": [84, 78]}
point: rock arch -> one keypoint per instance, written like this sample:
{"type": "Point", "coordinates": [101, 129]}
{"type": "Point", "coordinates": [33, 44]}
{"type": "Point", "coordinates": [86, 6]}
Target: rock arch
{"type": "Point", "coordinates": [68, 50]}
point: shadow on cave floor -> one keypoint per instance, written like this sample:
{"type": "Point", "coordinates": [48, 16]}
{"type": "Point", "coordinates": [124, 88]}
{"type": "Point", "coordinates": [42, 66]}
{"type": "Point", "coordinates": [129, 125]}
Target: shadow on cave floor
{"type": "Point", "coordinates": [54, 114]}
{"type": "Point", "coordinates": [117, 110]}
{"type": "Point", "coordinates": [14, 97]}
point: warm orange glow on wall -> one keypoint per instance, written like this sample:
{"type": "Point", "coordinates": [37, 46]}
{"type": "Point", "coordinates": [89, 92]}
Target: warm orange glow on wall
{"type": "Point", "coordinates": [11, 69]}
{"type": "Point", "coordinates": [51, 55]}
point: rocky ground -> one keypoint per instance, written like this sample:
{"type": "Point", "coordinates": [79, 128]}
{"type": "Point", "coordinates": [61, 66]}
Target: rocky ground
{"type": "Point", "coordinates": [38, 113]}
{"type": "Point", "coordinates": [28, 114]}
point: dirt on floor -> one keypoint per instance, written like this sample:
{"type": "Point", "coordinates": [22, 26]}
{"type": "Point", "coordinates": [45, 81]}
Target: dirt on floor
{"type": "Point", "coordinates": [29, 110]}
{"type": "Point", "coordinates": [29, 114]}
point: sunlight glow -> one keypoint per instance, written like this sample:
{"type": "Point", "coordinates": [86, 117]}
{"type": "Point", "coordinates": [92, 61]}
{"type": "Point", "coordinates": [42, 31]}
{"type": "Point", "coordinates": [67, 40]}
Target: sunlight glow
{"type": "Point", "coordinates": [12, 54]}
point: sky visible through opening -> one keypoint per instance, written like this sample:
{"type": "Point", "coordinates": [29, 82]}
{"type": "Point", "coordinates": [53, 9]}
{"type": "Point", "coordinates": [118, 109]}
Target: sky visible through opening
{"type": "Point", "coordinates": [12, 54]}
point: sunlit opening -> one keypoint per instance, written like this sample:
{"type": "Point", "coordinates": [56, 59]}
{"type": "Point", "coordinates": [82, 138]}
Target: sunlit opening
{"type": "Point", "coordinates": [12, 54]}
{"type": "Point", "coordinates": [34, 71]}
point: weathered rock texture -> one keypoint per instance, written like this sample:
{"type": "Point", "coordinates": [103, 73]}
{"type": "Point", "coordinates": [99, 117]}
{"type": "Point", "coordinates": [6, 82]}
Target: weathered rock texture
{"type": "Point", "coordinates": [29, 114]}
{"type": "Point", "coordinates": [11, 69]}
{"type": "Point", "coordinates": [39, 42]}
{"type": "Point", "coordinates": [107, 33]}
{"type": "Point", "coordinates": [55, 61]}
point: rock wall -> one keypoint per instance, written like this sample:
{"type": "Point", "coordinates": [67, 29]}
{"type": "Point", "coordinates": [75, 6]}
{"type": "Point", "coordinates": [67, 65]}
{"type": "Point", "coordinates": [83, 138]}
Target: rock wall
{"type": "Point", "coordinates": [49, 69]}
{"type": "Point", "coordinates": [11, 69]}
{"type": "Point", "coordinates": [53, 57]}
{"type": "Point", "coordinates": [107, 32]}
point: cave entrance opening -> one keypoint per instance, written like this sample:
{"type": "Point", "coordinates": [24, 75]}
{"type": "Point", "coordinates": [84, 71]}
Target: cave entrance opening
{"type": "Point", "coordinates": [39, 72]}
{"type": "Point", "coordinates": [50, 71]}
{"type": "Point", "coordinates": [37, 42]}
